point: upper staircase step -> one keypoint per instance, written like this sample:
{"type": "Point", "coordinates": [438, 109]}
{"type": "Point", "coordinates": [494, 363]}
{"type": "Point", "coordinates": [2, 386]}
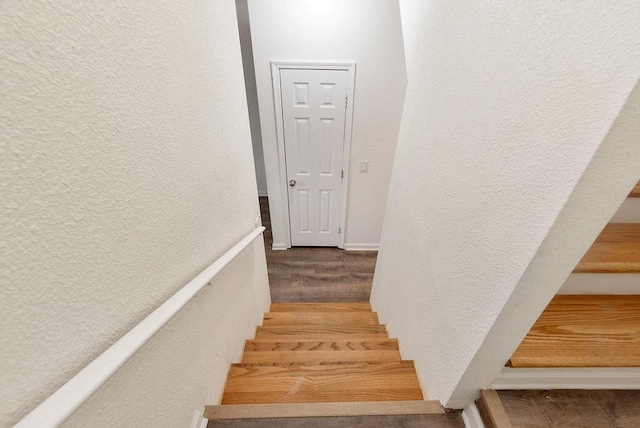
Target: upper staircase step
{"type": "Point", "coordinates": [316, 354]}
{"type": "Point", "coordinates": [353, 344]}
{"type": "Point", "coordinates": [315, 357]}
{"type": "Point", "coordinates": [635, 193]}
{"type": "Point", "coordinates": [320, 318]}
{"type": "Point", "coordinates": [321, 333]}
{"type": "Point", "coordinates": [321, 307]}
{"type": "Point", "coordinates": [328, 382]}
{"type": "Point", "coordinates": [616, 250]}
{"type": "Point", "coordinates": [584, 331]}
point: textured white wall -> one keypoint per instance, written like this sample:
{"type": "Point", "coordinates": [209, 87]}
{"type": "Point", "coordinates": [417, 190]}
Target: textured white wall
{"type": "Point", "coordinates": [367, 32]}
{"type": "Point", "coordinates": [125, 169]}
{"type": "Point", "coordinates": [184, 367]}
{"type": "Point", "coordinates": [507, 103]}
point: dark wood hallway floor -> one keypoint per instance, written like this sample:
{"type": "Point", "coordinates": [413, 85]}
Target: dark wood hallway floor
{"type": "Point", "coordinates": [305, 274]}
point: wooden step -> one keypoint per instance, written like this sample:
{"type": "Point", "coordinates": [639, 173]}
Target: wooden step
{"type": "Point", "coordinates": [330, 382]}
{"type": "Point", "coordinates": [635, 193]}
{"type": "Point", "coordinates": [311, 410]}
{"type": "Point", "coordinates": [583, 331]}
{"type": "Point", "coordinates": [321, 307]}
{"type": "Point", "coordinates": [321, 333]}
{"type": "Point", "coordinates": [311, 357]}
{"type": "Point", "coordinates": [353, 344]}
{"type": "Point", "coordinates": [616, 250]}
{"type": "Point", "coordinates": [320, 318]}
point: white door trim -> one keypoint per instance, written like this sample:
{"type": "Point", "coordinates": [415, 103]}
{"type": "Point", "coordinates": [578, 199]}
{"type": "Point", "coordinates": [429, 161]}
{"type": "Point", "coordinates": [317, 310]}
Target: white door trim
{"type": "Point", "coordinates": [350, 68]}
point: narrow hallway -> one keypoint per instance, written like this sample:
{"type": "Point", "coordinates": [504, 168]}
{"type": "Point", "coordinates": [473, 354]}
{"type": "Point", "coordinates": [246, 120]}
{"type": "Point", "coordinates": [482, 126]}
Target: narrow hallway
{"type": "Point", "coordinates": [306, 274]}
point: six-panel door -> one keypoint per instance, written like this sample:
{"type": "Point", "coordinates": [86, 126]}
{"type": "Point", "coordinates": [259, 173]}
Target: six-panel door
{"type": "Point", "coordinates": [314, 107]}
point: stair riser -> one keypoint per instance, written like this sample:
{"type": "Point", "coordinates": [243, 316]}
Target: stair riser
{"type": "Point", "coordinates": [602, 283]}
{"type": "Point", "coordinates": [321, 319]}
{"type": "Point", "coordinates": [629, 212]}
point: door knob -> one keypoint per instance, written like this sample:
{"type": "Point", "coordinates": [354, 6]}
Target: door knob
{"type": "Point", "coordinates": [292, 183]}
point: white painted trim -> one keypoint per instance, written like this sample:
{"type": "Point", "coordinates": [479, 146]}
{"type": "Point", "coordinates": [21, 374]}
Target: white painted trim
{"type": "Point", "coordinates": [279, 247]}
{"type": "Point", "coordinates": [602, 283]}
{"type": "Point", "coordinates": [568, 378]}
{"type": "Point", "coordinates": [471, 416]}
{"type": "Point", "coordinates": [361, 247]}
{"type": "Point", "coordinates": [198, 420]}
{"type": "Point", "coordinates": [61, 404]}
{"type": "Point", "coordinates": [350, 68]}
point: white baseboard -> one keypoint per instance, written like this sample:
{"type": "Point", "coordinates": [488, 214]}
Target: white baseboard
{"type": "Point", "coordinates": [471, 416]}
{"type": "Point", "coordinates": [279, 247]}
{"type": "Point", "coordinates": [568, 378]}
{"type": "Point", "coordinates": [601, 283]}
{"type": "Point", "coordinates": [361, 247]}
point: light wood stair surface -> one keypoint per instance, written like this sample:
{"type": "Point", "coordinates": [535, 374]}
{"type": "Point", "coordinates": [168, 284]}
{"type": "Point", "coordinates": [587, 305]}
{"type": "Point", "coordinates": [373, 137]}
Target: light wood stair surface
{"type": "Point", "coordinates": [616, 250]}
{"type": "Point", "coordinates": [318, 359]}
{"type": "Point", "coordinates": [584, 331]}
{"type": "Point", "coordinates": [635, 193]}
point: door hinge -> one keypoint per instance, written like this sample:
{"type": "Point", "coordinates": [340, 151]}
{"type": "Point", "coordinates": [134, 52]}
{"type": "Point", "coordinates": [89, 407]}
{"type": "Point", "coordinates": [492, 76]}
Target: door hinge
{"type": "Point", "coordinates": [346, 99]}
{"type": "Point", "coordinates": [339, 230]}
{"type": "Point", "coordinates": [342, 174]}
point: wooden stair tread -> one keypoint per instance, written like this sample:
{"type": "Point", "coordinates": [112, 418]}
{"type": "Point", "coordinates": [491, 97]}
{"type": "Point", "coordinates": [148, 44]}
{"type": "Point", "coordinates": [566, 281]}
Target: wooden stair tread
{"type": "Point", "coordinates": [329, 382]}
{"type": "Point", "coordinates": [320, 332]}
{"type": "Point", "coordinates": [635, 192]}
{"type": "Point", "coordinates": [616, 250]}
{"type": "Point", "coordinates": [318, 356]}
{"type": "Point", "coordinates": [353, 344]}
{"type": "Point", "coordinates": [310, 410]}
{"type": "Point", "coordinates": [584, 331]}
{"type": "Point", "coordinates": [320, 318]}
{"type": "Point", "coordinates": [322, 353]}
{"type": "Point", "coordinates": [321, 307]}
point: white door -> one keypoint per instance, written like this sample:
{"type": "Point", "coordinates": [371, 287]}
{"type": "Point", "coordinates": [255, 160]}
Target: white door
{"type": "Point", "coordinates": [313, 112]}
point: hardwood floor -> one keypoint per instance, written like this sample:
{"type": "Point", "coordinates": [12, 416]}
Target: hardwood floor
{"type": "Point", "coordinates": [575, 408]}
{"type": "Point", "coordinates": [306, 274]}
{"type": "Point", "coordinates": [447, 420]}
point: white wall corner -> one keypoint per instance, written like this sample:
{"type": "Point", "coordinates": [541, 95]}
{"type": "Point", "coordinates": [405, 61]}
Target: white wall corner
{"type": "Point", "coordinates": [279, 246]}
{"type": "Point", "coordinates": [471, 416]}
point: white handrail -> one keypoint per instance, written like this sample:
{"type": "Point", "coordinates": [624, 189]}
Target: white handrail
{"type": "Point", "coordinates": [61, 404]}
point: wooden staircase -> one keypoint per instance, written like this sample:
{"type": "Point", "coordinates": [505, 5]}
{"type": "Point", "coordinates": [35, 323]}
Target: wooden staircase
{"type": "Point", "coordinates": [321, 359]}
{"type": "Point", "coordinates": [592, 330]}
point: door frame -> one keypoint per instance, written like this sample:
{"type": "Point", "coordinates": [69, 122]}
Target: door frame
{"type": "Point", "coordinates": [350, 68]}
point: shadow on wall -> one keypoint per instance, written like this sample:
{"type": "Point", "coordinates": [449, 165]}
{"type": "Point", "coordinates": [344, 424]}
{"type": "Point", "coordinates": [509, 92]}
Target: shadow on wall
{"type": "Point", "coordinates": [244, 29]}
